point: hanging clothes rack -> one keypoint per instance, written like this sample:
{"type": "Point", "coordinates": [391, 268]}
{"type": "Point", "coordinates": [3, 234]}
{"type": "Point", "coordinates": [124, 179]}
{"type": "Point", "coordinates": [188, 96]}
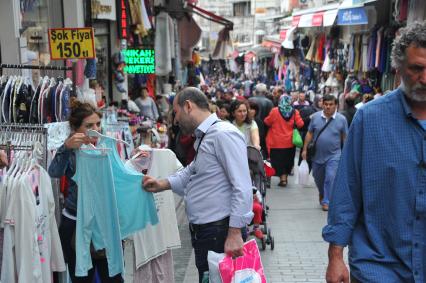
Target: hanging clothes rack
{"type": "Point", "coordinates": [41, 67]}
{"type": "Point", "coordinates": [9, 140]}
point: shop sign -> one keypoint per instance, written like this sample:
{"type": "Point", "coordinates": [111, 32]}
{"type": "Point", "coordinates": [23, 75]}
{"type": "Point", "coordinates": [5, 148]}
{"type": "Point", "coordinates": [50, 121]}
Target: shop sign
{"type": "Point", "coordinates": [352, 16]}
{"type": "Point", "coordinates": [139, 61]}
{"type": "Point", "coordinates": [122, 19]}
{"type": "Point", "coordinates": [71, 43]}
{"type": "Point", "coordinates": [103, 9]}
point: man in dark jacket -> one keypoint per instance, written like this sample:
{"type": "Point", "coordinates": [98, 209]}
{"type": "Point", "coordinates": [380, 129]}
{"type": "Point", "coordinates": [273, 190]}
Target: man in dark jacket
{"type": "Point", "coordinates": [265, 106]}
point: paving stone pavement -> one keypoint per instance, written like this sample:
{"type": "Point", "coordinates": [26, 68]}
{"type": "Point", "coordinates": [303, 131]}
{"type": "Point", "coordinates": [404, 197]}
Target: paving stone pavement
{"type": "Point", "coordinates": [296, 220]}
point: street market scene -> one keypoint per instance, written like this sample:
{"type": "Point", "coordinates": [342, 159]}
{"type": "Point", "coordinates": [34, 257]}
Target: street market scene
{"type": "Point", "coordinates": [237, 141]}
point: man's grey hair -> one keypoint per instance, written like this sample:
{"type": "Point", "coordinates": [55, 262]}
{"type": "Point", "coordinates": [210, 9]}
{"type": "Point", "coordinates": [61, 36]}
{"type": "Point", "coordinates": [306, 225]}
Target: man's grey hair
{"type": "Point", "coordinates": [414, 34]}
{"type": "Point", "coordinates": [194, 95]}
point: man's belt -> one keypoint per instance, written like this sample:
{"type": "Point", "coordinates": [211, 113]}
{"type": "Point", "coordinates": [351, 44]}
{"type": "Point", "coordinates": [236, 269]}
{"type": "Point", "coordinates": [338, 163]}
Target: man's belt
{"type": "Point", "coordinates": [198, 227]}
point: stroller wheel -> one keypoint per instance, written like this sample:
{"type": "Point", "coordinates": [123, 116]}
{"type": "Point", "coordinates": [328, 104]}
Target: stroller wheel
{"type": "Point", "coordinates": [263, 244]}
{"type": "Point", "coordinates": [272, 243]}
{"type": "Point", "coordinates": [268, 237]}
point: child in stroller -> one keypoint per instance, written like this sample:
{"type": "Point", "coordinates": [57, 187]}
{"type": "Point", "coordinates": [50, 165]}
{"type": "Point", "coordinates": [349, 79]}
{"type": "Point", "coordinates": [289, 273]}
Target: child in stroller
{"type": "Point", "coordinates": [260, 209]}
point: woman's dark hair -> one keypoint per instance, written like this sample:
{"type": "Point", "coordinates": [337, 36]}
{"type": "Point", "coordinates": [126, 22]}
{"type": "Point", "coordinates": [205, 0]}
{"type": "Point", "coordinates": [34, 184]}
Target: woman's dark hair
{"type": "Point", "coordinates": [80, 111]}
{"type": "Point", "coordinates": [235, 105]}
{"type": "Point", "coordinates": [254, 105]}
{"type": "Point", "coordinates": [226, 106]}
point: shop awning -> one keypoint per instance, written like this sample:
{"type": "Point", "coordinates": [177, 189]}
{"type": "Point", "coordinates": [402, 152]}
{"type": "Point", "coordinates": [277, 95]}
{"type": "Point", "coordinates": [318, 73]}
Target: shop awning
{"type": "Point", "coordinates": [295, 21]}
{"type": "Point", "coordinates": [329, 17]}
{"type": "Point", "coordinates": [317, 19]}
{"type": "Point", "coordinates": [306, 21]}
{"type": "Point", "coordinates": [262, 52]}
{"type": "Point", "coordinates": [352, 16]}
{"type": "Point", "coordinates": [273, 45]}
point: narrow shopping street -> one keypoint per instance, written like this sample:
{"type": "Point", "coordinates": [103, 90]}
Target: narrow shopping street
{"type": "Point", "coordinates": [296, 220]}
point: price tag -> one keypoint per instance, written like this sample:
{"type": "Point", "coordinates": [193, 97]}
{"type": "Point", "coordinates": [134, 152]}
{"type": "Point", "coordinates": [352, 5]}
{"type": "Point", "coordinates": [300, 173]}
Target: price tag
{"type": "Point", "coordinates": [71, 43]}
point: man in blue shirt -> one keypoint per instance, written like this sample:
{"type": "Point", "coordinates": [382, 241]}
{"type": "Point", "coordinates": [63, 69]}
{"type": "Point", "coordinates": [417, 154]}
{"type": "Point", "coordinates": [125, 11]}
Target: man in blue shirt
{"type": "Point", "coordinates": [216, 186]}
{"type": "Point", "coordinates": [378, 205]}
{"type": "Point", "coordinates": [328, 146]}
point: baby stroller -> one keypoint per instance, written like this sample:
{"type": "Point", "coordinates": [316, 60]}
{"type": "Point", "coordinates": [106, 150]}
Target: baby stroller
{"type": "Point", "coordinates": [258, 178]}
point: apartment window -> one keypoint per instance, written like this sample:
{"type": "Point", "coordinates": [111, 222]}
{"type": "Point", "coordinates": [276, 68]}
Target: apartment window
{"type": "Point", "coordinates": [241, 9]}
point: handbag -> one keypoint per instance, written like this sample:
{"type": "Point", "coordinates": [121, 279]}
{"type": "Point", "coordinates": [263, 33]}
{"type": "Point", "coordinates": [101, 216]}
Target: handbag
{"type": "Point", "coordinates": [310, 149]}
{"type": "Point", "coordinates": [297, 138]}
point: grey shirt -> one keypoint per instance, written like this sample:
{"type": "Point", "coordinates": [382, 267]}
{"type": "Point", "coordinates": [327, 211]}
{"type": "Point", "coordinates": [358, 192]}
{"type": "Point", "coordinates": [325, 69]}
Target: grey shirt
{"type": "Point", "coordinates": [217, 183]}
{"type": "Point", "coordinates": [329, 144]}
{"type": "Point", "coordinates": [147, 107]}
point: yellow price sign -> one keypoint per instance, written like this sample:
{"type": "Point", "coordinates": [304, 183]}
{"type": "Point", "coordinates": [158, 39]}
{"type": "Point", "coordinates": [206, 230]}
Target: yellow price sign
{"type": "Point", "coordinates": [71, 43]}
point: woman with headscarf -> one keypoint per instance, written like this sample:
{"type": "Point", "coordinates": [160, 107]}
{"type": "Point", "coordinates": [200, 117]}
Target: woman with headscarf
{"type": "Point", "coordinates": [279, 140]}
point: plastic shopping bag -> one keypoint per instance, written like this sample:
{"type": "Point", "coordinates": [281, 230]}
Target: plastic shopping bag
{"type": "Point", "coordinates": [214, 259]}
{"type": "Point", "coordinates": [245, 269]}
{"type": "Point", "coordinates": [303, 173]}
{"type": "Point", "coordinates": [269, 170]}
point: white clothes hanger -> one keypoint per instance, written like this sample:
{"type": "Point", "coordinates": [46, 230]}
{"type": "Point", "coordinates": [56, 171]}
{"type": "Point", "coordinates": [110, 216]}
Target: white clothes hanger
{"type": "Point", "coordinates": [93, 133]}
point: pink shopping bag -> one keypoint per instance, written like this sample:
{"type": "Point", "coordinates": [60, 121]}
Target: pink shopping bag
{"type": "Point", "coordinates": [245, 269]}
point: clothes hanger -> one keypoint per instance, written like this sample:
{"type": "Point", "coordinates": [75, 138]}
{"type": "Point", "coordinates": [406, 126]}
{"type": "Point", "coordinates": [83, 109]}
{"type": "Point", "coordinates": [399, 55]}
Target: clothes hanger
{"type": "Point", "coordinates": [93, 133]}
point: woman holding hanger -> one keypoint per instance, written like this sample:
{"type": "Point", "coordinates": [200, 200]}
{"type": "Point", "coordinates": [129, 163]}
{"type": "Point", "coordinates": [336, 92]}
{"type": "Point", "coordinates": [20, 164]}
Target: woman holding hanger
{"type": "Point", "coordinates": [83, 117]}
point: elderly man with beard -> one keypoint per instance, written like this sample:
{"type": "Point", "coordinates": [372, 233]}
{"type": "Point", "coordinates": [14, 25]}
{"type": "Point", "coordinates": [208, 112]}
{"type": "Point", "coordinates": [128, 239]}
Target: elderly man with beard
{"type": "Point", "coordinates": [216, 186]}
{"type": "Point", "coordinates": [378, 205]}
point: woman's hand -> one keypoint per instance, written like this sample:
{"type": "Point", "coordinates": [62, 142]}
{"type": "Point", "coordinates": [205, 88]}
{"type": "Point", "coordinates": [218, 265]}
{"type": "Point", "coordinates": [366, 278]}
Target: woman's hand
{"type": "Point", "coordinates": [3, 159]}
{"type": "Point", "coordinates": [76, 140]}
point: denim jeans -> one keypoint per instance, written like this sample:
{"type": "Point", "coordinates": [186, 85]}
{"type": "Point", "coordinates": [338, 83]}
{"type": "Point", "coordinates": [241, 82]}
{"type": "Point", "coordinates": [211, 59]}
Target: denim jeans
{"type": "Point", "coordinates": [211, 238]}
{"type": "Point", "coordinates": [324, 175]}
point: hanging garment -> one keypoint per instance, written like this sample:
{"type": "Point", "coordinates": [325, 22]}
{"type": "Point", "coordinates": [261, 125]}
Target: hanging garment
{"type": "Point", "coordinates": [319, 57]}
{"type": "Point", "coordinates": [31, 241]}
{"type": "Point", "coordinates": [163, 45]}
{"type": "Point", "coordinates": [351, 55]}
{"type": "Point", "coordinates": [310, 55]}
{"type": "Point", "coordinates": [223, 49]}
{"type": "Point", "coordinates": [357, 49]}
{"type": "Point", "coordinates": [364, 60]}
{"type": "Point", "coordinates": [383, 54]}
{"type": "Point", "coordinates": [189, 35]}
{"type": "Point", "coordinates": [378, 47]}
{"type": "Point", "coordinates": [23, 103]}
{"type": "Point", "coordinates": [372, 50]}
{"type": "Point", "coordinates": [97, 213]}
{"type": "Point", "coordinates": [110, 207]}
{"type": "Point", "coordinates": [148, 244]}
{"type": "Point", "coordinates": [145, 19]}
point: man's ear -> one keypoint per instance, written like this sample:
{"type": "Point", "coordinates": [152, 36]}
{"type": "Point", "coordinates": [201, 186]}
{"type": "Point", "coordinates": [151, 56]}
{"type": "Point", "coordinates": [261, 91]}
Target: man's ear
{"type": "Point", "coordinates": [188, 106]}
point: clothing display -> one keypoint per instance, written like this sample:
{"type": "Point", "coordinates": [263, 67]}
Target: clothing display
{"type": "Point", "coordinates": [121, 207]}
{"type": "Point", "coordinates": [121, 131]}
{"type": "Point", "coordinates": [149, 244]}
{"type": "Point", "coordinates": [20, 103]}
{"type": "Point", "coordinates": [31, 246]}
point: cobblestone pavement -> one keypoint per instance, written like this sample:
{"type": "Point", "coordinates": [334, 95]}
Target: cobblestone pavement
{"type": "Point", "coordinates": [296, 220]}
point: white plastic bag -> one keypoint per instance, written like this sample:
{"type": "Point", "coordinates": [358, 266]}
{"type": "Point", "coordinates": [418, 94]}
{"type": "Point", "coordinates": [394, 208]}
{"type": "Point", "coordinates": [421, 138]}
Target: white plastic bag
{"type": "Point", "coordinates": [213, 260]}
{"type": "Point", "coordinates": [303, 173]}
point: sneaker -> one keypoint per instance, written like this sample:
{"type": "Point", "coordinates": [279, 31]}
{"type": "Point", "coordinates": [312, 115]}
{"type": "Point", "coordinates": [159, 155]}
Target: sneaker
{"type": "Point", "coordinates": [325, 207]}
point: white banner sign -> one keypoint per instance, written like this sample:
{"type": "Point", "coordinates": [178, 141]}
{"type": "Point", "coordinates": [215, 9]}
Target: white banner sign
{"type": "Point", "coordinates": [104, 10]}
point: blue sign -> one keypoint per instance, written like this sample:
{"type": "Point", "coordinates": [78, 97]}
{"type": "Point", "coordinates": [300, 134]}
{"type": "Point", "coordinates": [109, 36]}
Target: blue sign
{"type": "Point", "coordinates": [352, 16]}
